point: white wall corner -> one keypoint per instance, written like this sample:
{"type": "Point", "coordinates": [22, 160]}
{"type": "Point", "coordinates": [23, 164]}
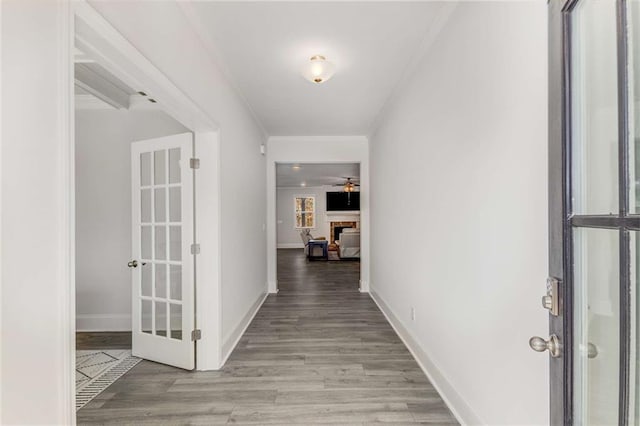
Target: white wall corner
{"type": "Point", "coordinates": [231, 341]}
{"type": "Point", "coordinates": [456, 403]}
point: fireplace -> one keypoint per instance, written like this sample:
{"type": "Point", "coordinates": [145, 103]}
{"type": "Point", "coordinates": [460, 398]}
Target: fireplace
{"type": "Point", "coordinates": [337, 227]}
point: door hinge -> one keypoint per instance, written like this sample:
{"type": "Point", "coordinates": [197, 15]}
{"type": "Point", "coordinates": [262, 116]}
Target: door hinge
{"type": "Point", "coordinates": [195, 248]}
{"type": "Point", "coordinates": [194, 163]}
{"type": "Point", "coordinates": [196, 335]}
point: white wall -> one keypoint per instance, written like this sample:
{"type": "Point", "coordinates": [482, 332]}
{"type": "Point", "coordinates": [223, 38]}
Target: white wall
{"type": "Point", "coordinates": [468, 132]}
{"type": "Point", "coordinates": [36, 248]}
{"type": "Point", "coordinates": [103, 211]}
{"type": "Point", "coordinates": [317, 149]}
{"type": "Point", "coordinates": [153, 28]}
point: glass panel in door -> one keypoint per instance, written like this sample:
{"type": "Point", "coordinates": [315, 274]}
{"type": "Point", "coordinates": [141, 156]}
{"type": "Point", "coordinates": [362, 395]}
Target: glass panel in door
{"type": "Point", "coordinates": [594, 108]}
{"type": "Point", "coordinates": [597, 329]}
{"type": "Point", "coordinates": [161, 245]}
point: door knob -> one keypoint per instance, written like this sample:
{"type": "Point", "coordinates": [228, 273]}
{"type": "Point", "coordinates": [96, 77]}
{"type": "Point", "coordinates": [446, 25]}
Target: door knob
{"type": "Point", "coordinates": [553, 345]}
{"type": "Point", "coordinates": [133, 264]}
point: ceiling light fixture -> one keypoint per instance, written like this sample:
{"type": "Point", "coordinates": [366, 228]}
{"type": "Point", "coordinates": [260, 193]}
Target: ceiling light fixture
{"type": "Point", "coordinates": [318, 69]}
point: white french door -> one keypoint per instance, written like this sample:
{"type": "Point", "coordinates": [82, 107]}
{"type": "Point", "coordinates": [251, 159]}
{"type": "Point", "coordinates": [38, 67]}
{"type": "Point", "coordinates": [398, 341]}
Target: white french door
{"type": "Point", "coordinates": [163, 266]}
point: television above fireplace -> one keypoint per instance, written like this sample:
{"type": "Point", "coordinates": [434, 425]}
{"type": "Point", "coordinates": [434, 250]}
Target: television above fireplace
{"type": "Point", "coordinates": [343, 201]}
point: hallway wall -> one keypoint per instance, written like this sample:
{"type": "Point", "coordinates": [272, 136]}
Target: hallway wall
{"type": "Point", "coordinates": [162, 33]}
{"type": "Point", "coordinates": [35, 313]}
{"type": "Point", "coordinates": [103, 211]}
{"type": "Point", "coordinates": [468, 130]}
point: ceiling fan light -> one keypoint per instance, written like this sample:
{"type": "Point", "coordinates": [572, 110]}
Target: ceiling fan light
{"type": "Point", "coordinates": [318, 69]}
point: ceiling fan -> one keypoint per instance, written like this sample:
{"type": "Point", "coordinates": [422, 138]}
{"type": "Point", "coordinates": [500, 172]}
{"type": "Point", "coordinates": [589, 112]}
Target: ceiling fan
{"type": "Point", "coordinates": [349, 185]}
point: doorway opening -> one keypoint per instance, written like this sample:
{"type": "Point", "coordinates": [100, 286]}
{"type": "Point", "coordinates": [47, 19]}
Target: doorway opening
{"type": "Point", "coordinates": [138, 143]}
{"type": "Point", "coordinates": [318, 226]}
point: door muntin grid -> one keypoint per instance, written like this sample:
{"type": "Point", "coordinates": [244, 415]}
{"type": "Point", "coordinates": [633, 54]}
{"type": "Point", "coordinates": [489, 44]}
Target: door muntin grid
{"type": "Point", "coordinates": [161, 243]}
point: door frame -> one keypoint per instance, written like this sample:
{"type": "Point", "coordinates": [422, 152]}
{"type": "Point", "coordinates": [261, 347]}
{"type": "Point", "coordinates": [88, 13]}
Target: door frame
{"type": "Point", "coordinates": [102, 41]}
{"type": "Point", "coordinates": [562, 220]}
{"type": "Point", "coordinates": [319, 150]}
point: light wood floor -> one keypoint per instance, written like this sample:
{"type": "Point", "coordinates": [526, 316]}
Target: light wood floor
{"type": "Point", "coordinates": [318, 352]}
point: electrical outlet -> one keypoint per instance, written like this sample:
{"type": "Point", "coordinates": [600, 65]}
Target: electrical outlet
{"type": "Point", "coordinates": [413, 313]}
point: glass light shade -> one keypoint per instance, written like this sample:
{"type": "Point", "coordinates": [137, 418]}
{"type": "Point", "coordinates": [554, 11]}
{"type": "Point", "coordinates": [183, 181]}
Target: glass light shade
{"type": "Point", "coordinates": [318, 69]}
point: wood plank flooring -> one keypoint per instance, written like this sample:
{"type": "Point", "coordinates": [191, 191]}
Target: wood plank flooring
{"type": "Point", "coordinates": [317, 352]}
{"type": "Point", "coordinates": [103, 340]}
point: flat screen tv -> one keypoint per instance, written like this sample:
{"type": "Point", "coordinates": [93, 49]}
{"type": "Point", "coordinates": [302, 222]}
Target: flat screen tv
{"type": "Point", "coordinates": [343, 201]}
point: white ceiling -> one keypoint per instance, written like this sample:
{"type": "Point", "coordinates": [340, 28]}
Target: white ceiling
{"type": "Point", "coordinates": [294, 175]}
{"type": "Point", "coordinates": [263, 45]}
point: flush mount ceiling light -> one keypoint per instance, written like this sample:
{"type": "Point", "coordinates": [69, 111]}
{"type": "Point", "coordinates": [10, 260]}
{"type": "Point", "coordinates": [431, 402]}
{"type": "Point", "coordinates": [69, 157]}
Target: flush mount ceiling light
{"type": "Point", "coordinates": [318, 69]}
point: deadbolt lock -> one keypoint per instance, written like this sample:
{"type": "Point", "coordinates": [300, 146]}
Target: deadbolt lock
{"type": "Point", "coordinates": [551, 300]}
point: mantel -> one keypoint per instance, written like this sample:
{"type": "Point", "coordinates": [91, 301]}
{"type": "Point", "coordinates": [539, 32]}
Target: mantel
{"type": "Point", "coordinates": [343, 216]}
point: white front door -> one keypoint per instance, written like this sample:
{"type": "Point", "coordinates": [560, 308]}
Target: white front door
{"type": "Point", "coordinates": [162, 266]}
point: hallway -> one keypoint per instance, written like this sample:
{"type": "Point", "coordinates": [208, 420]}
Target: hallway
{"type": "Point", "coordinates": [318, 352]}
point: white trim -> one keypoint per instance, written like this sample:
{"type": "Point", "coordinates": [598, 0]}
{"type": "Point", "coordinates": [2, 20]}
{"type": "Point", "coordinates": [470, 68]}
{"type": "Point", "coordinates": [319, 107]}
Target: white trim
{"type": "Point", "coordinates": [67, 234]}
{"type": "Point", "coordinates": [103, 322]}
{"type": "Point", "coordinates": [208, 231]}
{"type": "Point", "coordinates": [231, 341]}
{"type": "Point", "coordinates": [1, 215]}
{"type": "Point", "coordinates": [102, 43]}
{"type": "Point", "coordinates": [91, 102]}
{"type": "Point", "coordinates": [290, 246]}
{"type": "Point", "coordinates": [456, 403]}
{"type": "Point", "coordinates": [97, 38]}
{"type": "Point", "coordinates": [317, 150]}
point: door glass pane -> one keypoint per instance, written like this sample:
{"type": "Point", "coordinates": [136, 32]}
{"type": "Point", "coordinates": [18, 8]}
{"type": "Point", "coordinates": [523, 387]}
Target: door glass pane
{"type": "Point", "coordinates": [161, 242]}
{"type": "Point", "coordinates": [176, 282]}
{"type": "Point", "coordinates": [594, 108]}
{"type": "Point", "coordinates": [176, 321]}
{"type": "Point", "coordinates": [175, 204]}
{"type": "Point", "coordinates": [146, 315]}
{"type": "Point", "coordinates": [160, 202]}
{"type": "Point", "coordinates": [146, 271]}
{"type": "Point", "coordinates": [145, 205]}
{"type": "Point", "coordinates": [174, 165]}
{"type": "Point", "coordinates": [634, 104]}
{"type": "Point", "coordinates": [175, 235]}
{"type": "Point", "coordinates": [159, 168]}
{"type": "Point", "coordinates": [145, 242]}
{"type": "Point", "coordinates": [145, 168]}
{"type": "Point", "coordinates": [596, 319]}
{"type": "Point", "coordinates": [161, 280]}
{"type": "Point", "coordinates": [161, 318]}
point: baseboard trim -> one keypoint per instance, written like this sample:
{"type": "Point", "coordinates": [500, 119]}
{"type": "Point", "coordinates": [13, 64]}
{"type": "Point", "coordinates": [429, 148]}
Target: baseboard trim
{"type": "Point", "coordinates": [103, 322]}
{"type": "Point", "coordinates": [232, 340]}
{"type": "Point", "coordinates": [456, 403]}
{"type": "Point", "coordinates": [290, 246]}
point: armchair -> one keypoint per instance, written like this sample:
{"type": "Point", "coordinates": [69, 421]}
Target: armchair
{"type": "Point", "coordinates": [349, 243]}
{"type": "Point", "coordinates": [306, 236]}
